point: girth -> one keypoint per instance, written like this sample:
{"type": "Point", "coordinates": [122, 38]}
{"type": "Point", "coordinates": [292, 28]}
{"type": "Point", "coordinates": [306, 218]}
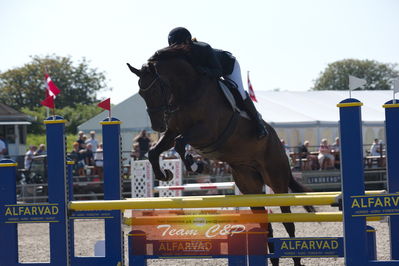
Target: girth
{"type": "Point", "coordinates": [222, 139]}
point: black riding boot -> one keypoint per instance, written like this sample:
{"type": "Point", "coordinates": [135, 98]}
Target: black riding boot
{"type": "Point", "coordinates": [256, 117]}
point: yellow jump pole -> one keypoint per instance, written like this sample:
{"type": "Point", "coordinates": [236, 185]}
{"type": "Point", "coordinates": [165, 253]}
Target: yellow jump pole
{"type": "Point", "coordinates": [218, 201]}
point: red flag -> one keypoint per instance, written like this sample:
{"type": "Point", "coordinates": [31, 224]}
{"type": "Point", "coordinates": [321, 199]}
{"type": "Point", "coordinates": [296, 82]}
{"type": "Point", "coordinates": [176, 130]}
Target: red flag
{"type": "Point", "coordinates": [251, 90]}
{"type": "Point", "coordinates": [106, 104]}
{"type": "Point", "coordinates": [49, 102]}
{"type": "Point", "coordinates": [51, 88]}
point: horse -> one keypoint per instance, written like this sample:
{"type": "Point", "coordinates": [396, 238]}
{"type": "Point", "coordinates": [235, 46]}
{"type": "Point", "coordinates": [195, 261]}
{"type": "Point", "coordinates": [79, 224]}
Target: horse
{"type": "Point", "coordinates": [189, 107]}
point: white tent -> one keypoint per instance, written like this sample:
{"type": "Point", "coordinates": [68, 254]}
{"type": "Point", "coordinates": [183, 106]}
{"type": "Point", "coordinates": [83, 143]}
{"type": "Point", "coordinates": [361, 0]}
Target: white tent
{"type": "Point", "coordinates": [289, 108]}
{"type": "Point", "coordinates": [313, 115]}
{"type": "Point", "coordinates": [296, 116]}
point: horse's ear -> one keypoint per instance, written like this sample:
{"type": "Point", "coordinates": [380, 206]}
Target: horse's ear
{"type": "Point", "coordinates": [134, 70]}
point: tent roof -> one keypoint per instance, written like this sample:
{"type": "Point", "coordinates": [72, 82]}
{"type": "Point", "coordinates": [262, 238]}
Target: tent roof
{"type": "Point", "coordinates": [282, 108]}
{"type": "Point", "coordinates": [310, 107]}
{"type": "Point", "coordinates": [132, 112]}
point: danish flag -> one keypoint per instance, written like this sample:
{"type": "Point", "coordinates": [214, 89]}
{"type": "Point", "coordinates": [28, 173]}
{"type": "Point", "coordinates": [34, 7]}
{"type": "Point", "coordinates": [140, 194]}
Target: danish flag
{"type": "Point", "coordinates": [251, 90]}
{"type": "Point", "coordinates": [52, 89]}
{"type": "Point", "coordinates": [51, 92]}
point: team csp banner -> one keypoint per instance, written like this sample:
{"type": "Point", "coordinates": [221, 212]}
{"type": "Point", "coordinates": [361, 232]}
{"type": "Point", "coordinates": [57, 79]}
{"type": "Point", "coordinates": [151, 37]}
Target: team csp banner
{"type": "Point", "coordinates": [199, 232]}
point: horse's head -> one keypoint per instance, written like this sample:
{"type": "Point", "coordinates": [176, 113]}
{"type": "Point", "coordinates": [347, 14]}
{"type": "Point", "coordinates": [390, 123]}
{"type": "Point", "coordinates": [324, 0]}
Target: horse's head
{"type": "Point", "coordinates": [155, 94]}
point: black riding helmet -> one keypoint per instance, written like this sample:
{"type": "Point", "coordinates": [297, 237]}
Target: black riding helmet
{"type": "Point", "coordinates": [178, 36]}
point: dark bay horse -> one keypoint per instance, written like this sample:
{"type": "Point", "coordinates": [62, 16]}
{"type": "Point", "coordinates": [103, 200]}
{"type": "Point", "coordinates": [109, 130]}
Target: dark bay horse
{"type": "Point", "coordinates": [190, 108]}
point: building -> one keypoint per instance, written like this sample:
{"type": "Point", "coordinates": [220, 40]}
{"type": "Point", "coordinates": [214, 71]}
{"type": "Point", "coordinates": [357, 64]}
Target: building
{"type": "Point", "coordinates": [13, 128]}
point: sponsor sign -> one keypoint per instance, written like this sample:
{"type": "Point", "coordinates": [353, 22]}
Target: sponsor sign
{"type": "Point", "coordinates": [309, 247]}
{"type": "Point", "coordinates": [375, 205]}
{"type": "Point", "coordinates": [199, 232]}
{"type": "Point", "coordinates": [26, 213]}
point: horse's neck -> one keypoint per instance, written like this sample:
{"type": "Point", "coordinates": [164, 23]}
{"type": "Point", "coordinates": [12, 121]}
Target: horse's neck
{"type": "Point", "coordinates": [189, 91]}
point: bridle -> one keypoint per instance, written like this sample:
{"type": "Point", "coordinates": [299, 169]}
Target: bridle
{"type": "Point", "coordinates": [165, 106]}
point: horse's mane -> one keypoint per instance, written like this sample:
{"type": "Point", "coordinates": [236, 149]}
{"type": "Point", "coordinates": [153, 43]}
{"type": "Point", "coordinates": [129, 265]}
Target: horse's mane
{"type": "Point", "coordinates": [181, 51]}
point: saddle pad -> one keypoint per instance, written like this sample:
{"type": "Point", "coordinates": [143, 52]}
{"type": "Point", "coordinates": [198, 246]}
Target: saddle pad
{"type": "Point", "coordinates": [230, 98]}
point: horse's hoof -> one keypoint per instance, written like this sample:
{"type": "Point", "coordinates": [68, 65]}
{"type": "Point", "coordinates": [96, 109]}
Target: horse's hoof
{"type": "Point", "coordinates": [166, 176]}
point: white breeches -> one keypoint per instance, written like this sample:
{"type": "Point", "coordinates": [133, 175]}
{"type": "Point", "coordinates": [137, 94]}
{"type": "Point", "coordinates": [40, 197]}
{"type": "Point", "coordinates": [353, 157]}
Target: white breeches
{"type": "Point", "coordinates": [236, 77]}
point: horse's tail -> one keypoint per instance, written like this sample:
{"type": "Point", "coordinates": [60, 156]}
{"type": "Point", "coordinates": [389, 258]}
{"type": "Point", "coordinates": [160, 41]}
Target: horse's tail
{"type": "Point", "coordinates": [295, 187]}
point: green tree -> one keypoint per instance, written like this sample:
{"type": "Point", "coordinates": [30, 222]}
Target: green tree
{"type": "Point", "coordinates": [25, 87]}
{"type": "Point", "coordinates": [336, 75]}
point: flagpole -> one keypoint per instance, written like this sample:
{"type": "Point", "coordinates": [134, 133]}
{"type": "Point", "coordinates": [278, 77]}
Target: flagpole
{"type": "Point", "coordinates": [45, 87]}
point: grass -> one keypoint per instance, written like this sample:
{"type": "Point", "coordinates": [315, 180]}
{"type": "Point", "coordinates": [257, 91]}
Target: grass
{"type": "Point", "coordinates": [33, 139]}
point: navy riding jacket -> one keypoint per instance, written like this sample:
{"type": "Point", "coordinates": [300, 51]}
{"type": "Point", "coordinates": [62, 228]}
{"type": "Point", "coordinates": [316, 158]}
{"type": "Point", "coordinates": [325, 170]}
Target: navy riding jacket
{"type": "Point", "coordinates": [212, 62]}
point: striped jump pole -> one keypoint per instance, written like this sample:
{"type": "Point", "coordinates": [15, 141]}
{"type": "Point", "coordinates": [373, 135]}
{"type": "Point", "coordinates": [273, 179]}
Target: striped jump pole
{"type": "Point", "coordinates": [198, 186]}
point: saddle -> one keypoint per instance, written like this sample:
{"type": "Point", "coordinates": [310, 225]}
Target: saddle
{"type": "Point", "coordinates": [232, 95]}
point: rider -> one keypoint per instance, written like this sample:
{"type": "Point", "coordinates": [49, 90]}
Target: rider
{"type": "Point", "coordinates": [218, 63]}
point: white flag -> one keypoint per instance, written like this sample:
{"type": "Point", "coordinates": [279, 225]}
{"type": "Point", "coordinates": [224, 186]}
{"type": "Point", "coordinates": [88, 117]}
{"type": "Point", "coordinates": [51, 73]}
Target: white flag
{"type": "Point", "coordinates": [396, 85]}
{"type": "Point", "coordinates": [355, 82]}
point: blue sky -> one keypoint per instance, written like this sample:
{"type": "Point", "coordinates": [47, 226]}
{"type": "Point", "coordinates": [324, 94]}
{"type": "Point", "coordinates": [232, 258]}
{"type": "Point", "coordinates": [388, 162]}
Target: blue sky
{"type": "Point", "coordinates": [285, 44]}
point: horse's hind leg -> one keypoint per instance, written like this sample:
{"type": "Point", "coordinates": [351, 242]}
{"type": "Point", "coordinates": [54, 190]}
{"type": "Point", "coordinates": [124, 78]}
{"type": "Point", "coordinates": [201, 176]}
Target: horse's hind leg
{"type": "Point", "coordinates": [290, 228]}
{"type": "Point", "coordinates": [249, 181]}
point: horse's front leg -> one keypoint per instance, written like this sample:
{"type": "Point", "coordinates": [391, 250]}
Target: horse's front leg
{"type": "Point", "coordinates": [165, 143]}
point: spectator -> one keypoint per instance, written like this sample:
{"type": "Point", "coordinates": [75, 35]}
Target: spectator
{"type": "Point", "coordinates": [41, 150]}
{"type": "Point", "coordinates": [3, 148]}
{"type": "Point", "coordinates": [311, 160]}
{"type": "Point", "coordinates": [325, 155]}
{"type": "Point", "coordinates": [88, 155]}
{"type": "Point", "coordinates": [92, 140]}
{"type": "Point", "coordinates": [98, 156]}
{"type": "Point", "coordinates": [81, 140]}
{"type": "Point", "coordinates": [78, 157]}
{"type": "Point", "coordinates": [144, 144]}
{"type": "Point", "coordinates": [335, 150]}
{"type": "Point", "coordinates": [375, 149]}
{"type": "Point", "coordinates": [135, 154]}
{"type": "Point", "coordinates": [303, 150]}
{"type": "Point", "coordinates": [99, 160]}
{"type": "Point", "coordinates": [29, 156]}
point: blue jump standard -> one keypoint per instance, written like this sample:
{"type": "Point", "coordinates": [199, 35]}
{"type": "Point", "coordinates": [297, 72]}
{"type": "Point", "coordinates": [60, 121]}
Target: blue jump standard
{"type": "Point", "coordinates": [357, 245]}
